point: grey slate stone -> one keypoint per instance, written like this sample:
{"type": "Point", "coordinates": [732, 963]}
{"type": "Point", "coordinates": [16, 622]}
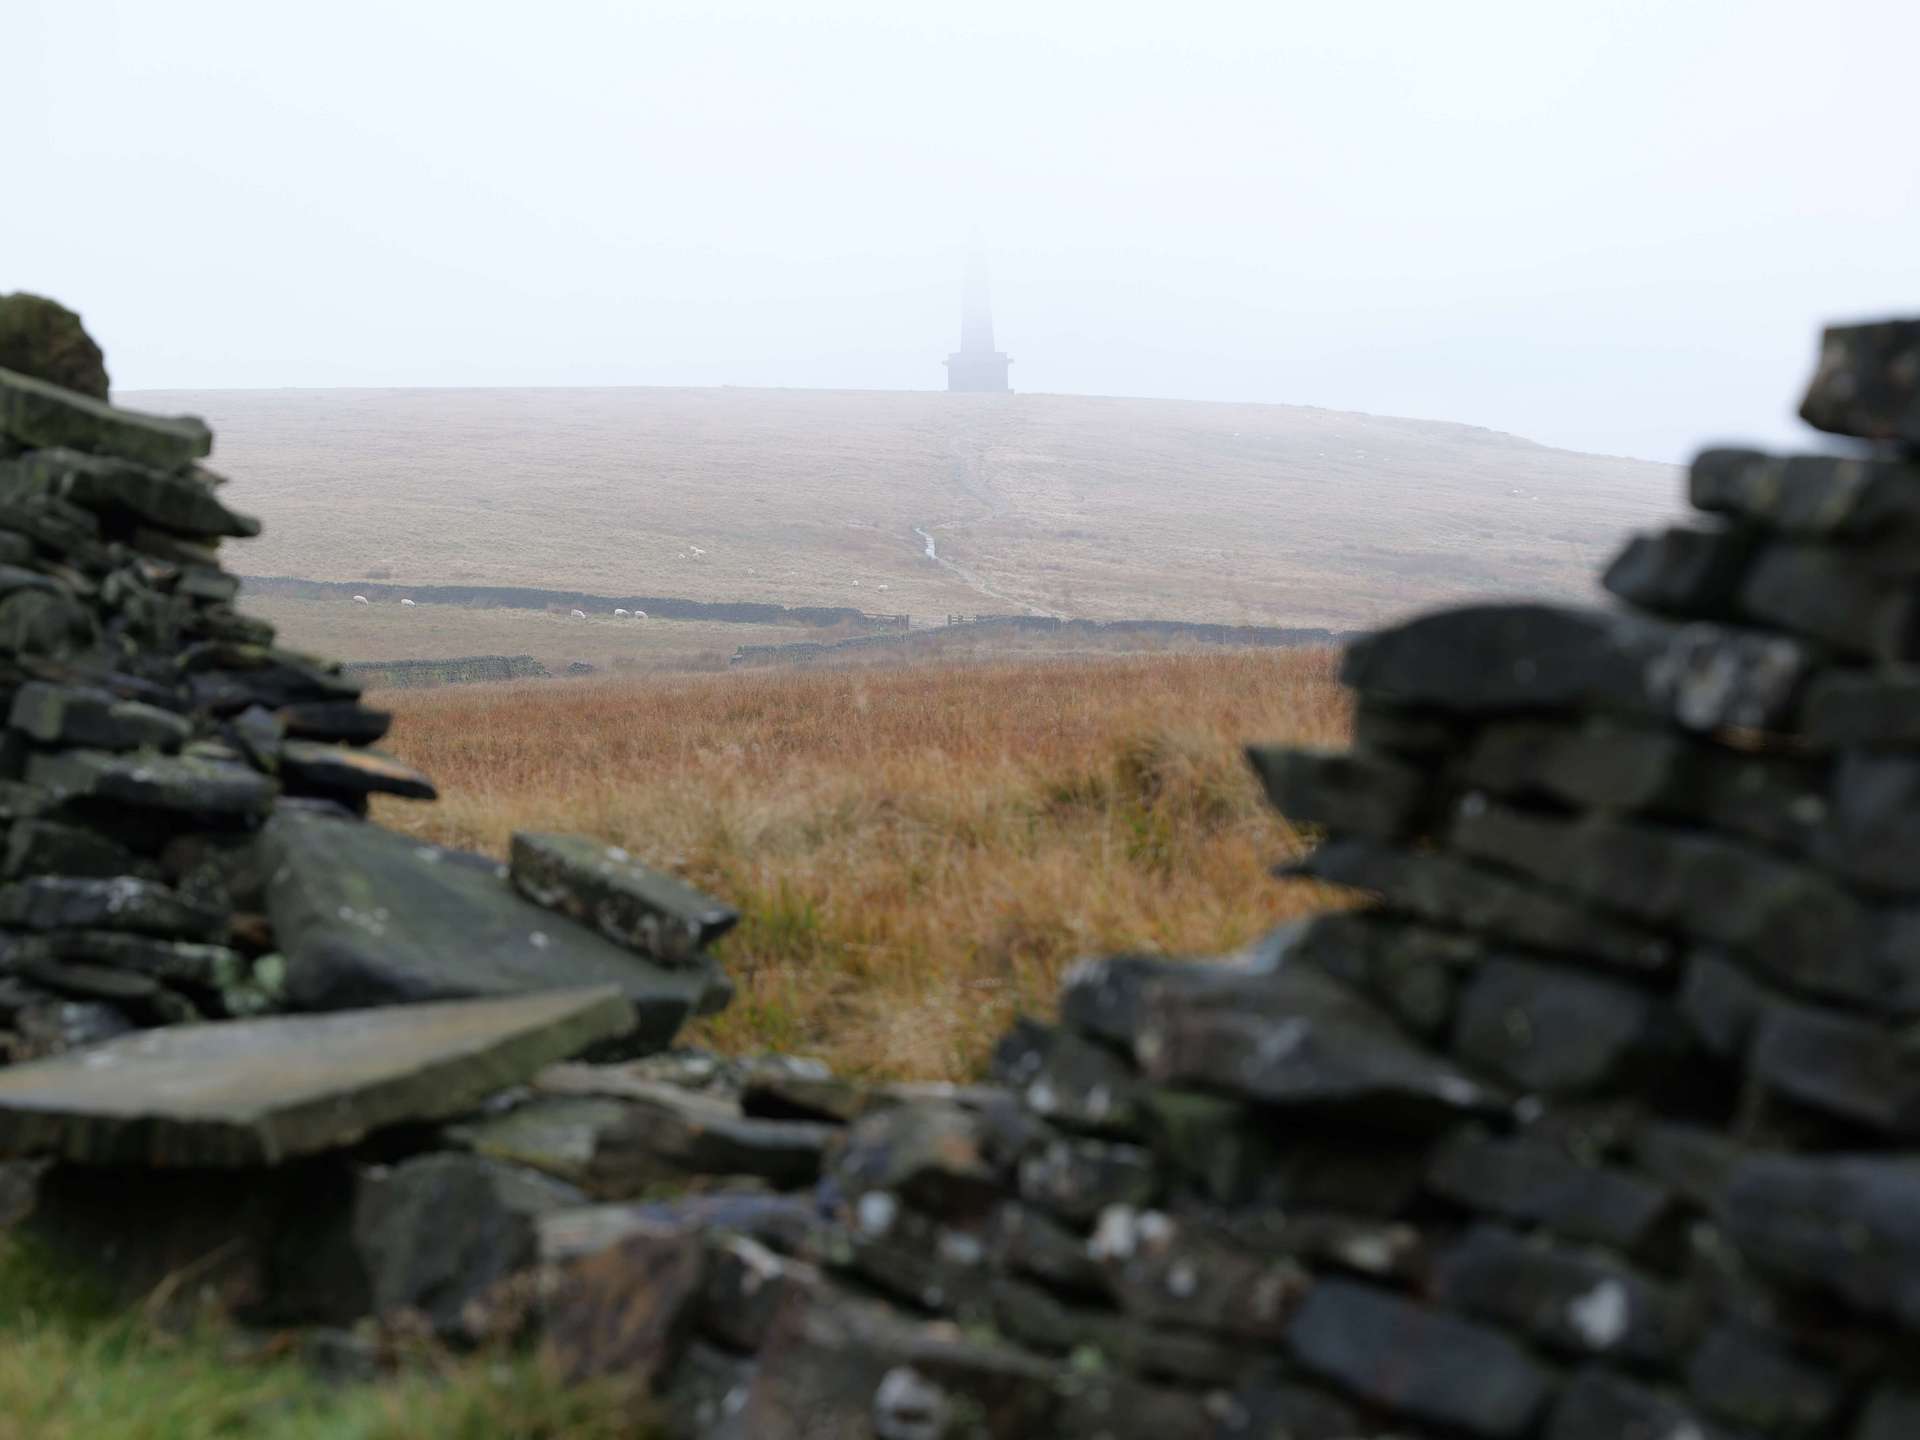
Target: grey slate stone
{"type": "Point", "coordinates": [932, 1155]}
{"type": "Point", "coordinates": [1599, 1405]}
{"type": "Point", "coordinates": [1872, 834]}
{"type": "Point", "coordinates": [1880, 706]}
{"type": "Point", "coordinates": [225, 1094]}
{"type": "Point", "coordinates": [1843, 1065]}
{"type": "Point", "coordinates": [432, 1234]}
{"type": "Point", "coordinates": [1298, 1038]}
{"type": "Point", "coordinates": [1721, 1003]}
{"type": "Point", "coordinates": [1694, 574]}
{"type": "Point", "coordinates": [1231, 1153]}
{"type": "Point", "coordinates": [1792, 921]}
{"type": "Point", "coordinates": [1578, 1303]}
{"type": "Point", "coordinates": [66, 715]}
{"type": "Point", "coordinates": [1841, 497]}
{"type": "Point", "coordinates": [1561, 1032]}
{"type": "Point", "coordinates": [50, 847]}
{"type": "Point", "coordinates": [308, 767]}
{"type": "Point", "coordinates": [1531, 1181]}
{"type": "Point", "coordinates": [55, 902]}
{"type": "Point", "coordinates": [665, 1132]}
{"type": "Point", "coordinates": [342, 722]}
{"type": "Point", "coordinates": [1422, 1363]}
{"type": "Point", "coordinates": [126, 491]}
{"type": "Point", "coordinates": [1493, 659]}
{"type": "Point", "coordinates": [1347, 792]}
{"type": "Point", "coordinates": [1868, 382]}
{"type": "Point", "coordinates": [1846, 1225]}
{"type": "Point", "coordinates": [1448, 891]}
{"type": "Point", "coordinates": [1613, 767]}
{"type": "Point", "coordinates": [1748, 1378]}
{"type": "Point", "coordinates": [1100, 996]}
{"type": "Point", "coordinates": [1077, 1179]}
{"type": "Point", "coordinates": [1065, 1079]}
{"type": "Point", "coordinates": [178, 785]}
{"type": "Point", "coordinates": [1892, 1413]}
{"type": "Point", "coordinates": [605, 887]}
{"type": "Point", "coordinates": [1827, 595]}
{"type": "Point", "coordinates": [363, 915]}
{"type": "Point", "coordinates": [1411, 971]}
{"type": "Point", "coordinates": [44, 416]}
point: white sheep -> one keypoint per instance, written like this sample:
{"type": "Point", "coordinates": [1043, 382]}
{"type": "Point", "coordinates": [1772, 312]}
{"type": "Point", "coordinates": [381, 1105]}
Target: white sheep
{"type": "Point", "coordinates": [618, 611]}
{"type": "Point", "coordinates": [360, 600]}
{"type": "Point", "coordinates": [639, 614]}
{"type": "Point", "coordinates": [579, 614]}
{"type": "Point", "coordinates": [696, 549]}
{"type": "Point", "coordinates": [406, 602]}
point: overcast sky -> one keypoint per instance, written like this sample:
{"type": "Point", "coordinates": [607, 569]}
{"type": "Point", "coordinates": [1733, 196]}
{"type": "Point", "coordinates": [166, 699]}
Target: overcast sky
{"type": "Point", "coordinates": [1609, 226]}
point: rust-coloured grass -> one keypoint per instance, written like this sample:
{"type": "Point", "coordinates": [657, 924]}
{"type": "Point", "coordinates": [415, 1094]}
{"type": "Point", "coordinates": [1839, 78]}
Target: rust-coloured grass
{"type": "Point", "coordinates": [918, 852]}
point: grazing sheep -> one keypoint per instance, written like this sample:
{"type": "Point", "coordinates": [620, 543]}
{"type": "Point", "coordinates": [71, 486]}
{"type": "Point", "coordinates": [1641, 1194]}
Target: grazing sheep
{"type": "Point", "coordinates": [406, 602]}
{"type": "Point", "coordinates": [639, 614]}
{"type": "Point", "coordinates": [579, 614]}
{"type": "Point", "coordinates": [618, 611]}
{"type": "Point", "coordinates": [360, 600]}
{"type": "Point", "coordinates": [696, 549]}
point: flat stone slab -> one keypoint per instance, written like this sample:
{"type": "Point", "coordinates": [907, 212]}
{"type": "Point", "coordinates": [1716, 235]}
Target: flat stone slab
{"type": "Point", "coordinates": [44, 416]}
{"type": "Point", "coordinates": [258, 1092]}
{"type": "Point", "coordinates": [370, 917]}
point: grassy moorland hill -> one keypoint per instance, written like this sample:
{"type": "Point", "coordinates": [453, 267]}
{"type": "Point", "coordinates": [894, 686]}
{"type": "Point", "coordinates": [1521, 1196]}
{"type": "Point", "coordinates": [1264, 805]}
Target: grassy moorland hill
{"type": "Point", "coordinates": [1083, 506]}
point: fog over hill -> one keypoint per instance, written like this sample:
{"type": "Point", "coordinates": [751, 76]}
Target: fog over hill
{"type": "Point", "coordinates": [919, 502]}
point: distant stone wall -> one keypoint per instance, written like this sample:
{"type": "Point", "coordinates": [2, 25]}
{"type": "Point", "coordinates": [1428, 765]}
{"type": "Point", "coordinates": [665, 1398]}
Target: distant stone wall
{"type": "Point", "coordinates": [463, 670]}
{"type": "Point", "coordinates": [986, 626]}
{"type": "Point", "coordinates": [515, 597]}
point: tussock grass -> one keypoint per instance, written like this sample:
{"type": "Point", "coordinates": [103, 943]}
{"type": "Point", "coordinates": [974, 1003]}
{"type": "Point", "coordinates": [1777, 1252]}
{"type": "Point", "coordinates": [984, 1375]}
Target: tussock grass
{"type": "Point", "coordinates": [917, 852]}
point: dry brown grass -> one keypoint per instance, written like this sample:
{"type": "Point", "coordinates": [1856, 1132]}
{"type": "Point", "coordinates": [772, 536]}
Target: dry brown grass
{"type": "Point", "coordinates": [918, 852]}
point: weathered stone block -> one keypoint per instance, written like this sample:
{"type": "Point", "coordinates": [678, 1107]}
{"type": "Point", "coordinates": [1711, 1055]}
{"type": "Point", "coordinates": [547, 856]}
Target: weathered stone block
{"type": "Point", "coordinates": [1422, 1363]}
{"type": "Point", "coordinates": [1347, 792]}
{"type": "Point", "coordinates": [1297, 1038]}
{"type": "Point", "coordinates": [1493, 659]}
{"type": "Point", "coordinates": [1791, 920]}
{"type": "Point", "coordinates": [1868, 382]}
{"type": "Point", "coordinates": [1748, 1378]}
{"type": "Point", "coordinates": [42, 415]}
{"type": "Point", "coordinates": [1576, 1302]}
{"type": "Point", "coordinates": [67, 715]}
{"type": "Point", "coordinates": [1535, 1182]}
{"type": "Point", "coordinates": [1842, 497]}
{"type": "Point", "coordinates": [1452, 892]}
{"type": "Point", "coordinates": [605, 887]}
{"type": "Point", "coordinates": [1564, 1033]}
{"type": "Point", "coordinates": [1846, 1225]}
{"type": "Point", "coordinates": [1694, 574]}
{"type": "Point", "coordinates": [1608, 766]}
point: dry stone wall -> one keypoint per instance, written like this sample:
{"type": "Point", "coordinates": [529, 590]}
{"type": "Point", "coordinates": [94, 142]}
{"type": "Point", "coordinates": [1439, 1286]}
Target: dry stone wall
{"type": "Point", "coordinates": [1596, 1119]}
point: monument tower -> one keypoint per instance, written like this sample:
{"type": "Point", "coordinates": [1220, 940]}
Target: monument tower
{"type": "Point", "coordinates": [976, 366]}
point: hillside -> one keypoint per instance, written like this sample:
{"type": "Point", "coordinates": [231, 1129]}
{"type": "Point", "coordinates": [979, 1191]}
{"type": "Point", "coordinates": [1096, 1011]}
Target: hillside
{"type": "Point", "coordinates": [1073, 505]}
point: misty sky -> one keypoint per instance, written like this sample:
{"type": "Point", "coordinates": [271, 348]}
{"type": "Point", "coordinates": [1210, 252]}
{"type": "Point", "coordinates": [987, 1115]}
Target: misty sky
{"type": "Point", "coordinates": [1610, 226]}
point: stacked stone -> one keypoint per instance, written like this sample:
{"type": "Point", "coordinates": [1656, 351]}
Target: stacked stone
{"type": "Point", "coordinates": [1597, 1121]}
{"type": "Point", "coordinates": [183, 801]}
{"type": "Point", "coordinates": [1645, 922]}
